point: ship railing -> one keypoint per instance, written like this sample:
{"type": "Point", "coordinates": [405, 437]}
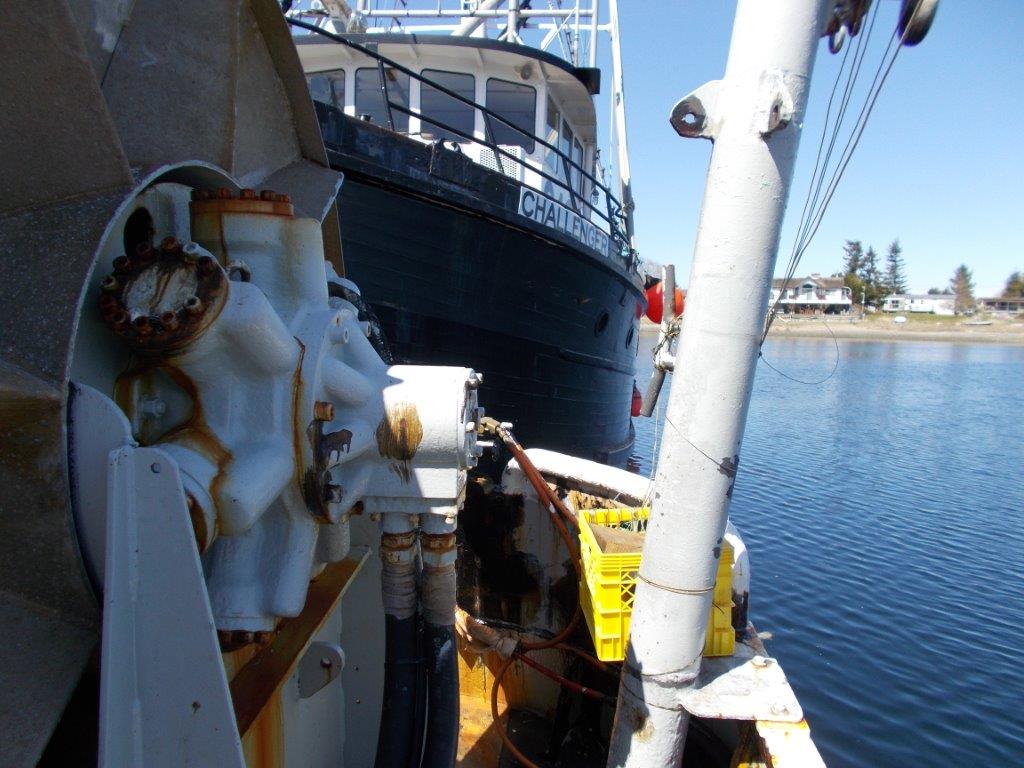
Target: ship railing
{"type": "Point", "coordinates": [614, 216]}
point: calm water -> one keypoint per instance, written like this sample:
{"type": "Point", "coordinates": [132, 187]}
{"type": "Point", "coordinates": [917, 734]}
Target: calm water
{"type": "Point", "coordinates": [884, 511]}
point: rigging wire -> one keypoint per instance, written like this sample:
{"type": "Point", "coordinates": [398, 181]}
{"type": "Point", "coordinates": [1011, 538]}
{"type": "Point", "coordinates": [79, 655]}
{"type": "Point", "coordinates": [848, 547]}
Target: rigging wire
{"type": "Point", "coordinates": [835, 364]}
{"type": "Point", "coordinates": [808, 228]}
{"type": "Point", "coordinates": [860, 53]}
{"type": "Point", "coordinates": [859, 48]}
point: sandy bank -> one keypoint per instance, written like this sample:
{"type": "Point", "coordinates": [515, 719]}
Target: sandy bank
{"type": "Point", "coordinates": [883, 329]}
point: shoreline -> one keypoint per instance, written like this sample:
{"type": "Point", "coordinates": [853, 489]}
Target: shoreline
{"type": "Point", "coordinates": [1007, 333]}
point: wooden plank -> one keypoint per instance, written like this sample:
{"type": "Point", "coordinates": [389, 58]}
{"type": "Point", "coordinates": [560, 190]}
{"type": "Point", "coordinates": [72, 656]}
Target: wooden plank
{"type": "Point", "coordinates": [267, 670]}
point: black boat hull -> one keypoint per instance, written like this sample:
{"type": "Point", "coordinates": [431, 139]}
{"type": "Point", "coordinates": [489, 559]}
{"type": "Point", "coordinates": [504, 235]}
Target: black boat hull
{"type": "Point", "coordinates": [552, 328]}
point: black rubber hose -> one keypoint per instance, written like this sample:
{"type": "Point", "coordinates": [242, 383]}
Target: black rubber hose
{"type": "Point", "coordinates": [419, 715]}
{"type": "Point", "coordinates": [442, 739]}
{"type": "Point", "coordinates": [401, 659]}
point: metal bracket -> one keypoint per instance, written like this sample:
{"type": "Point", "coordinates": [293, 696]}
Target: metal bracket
{"type": "Point", "coordinates": [745, 686]}
{"type": "Point", "coordinates": [319, 666]}
{"type": "Point", "coordinates": [163, 694]}
{"type": "Point", "coordinates": [693, 116]}
{"type": "Point", "coordinates": [775, 107]}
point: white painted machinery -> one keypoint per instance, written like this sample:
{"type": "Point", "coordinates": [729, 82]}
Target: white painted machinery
{"type": "Point", "coordinates": [194, 412]}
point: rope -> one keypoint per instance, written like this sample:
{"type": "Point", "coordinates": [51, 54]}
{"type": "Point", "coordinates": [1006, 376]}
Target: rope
{"type": "Point", "coordinates": [676, 590]}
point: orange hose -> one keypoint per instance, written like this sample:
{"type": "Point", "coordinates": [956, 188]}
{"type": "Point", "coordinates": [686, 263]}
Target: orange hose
{"type": "Point", "coordinates": [558, 639]}
{"type": "Point", "coordinates": [566, 682]}
{"type": "Point", "coordinates": [535, 477]}
{"type": "Point", "coordinates": [502, 731]}
{"type": "Point", "coordinates": [593, 661]}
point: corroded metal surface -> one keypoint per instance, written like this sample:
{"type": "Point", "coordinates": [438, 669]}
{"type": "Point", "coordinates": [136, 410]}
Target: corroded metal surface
{"type": "Point", "coordinates": [158, 299]}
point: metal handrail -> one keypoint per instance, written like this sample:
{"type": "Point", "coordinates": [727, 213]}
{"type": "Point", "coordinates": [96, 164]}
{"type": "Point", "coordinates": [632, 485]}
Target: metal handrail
{"type": "Point", "coordinates": [499, 152]}
{"type": "Point", "coordinates": [567, 161]}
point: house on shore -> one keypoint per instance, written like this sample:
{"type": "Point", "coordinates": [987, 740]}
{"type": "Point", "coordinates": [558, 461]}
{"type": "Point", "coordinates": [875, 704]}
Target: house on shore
{"type": "Point", "coordinates": [1002, 306]}
{"type": "Point", "coordinates": [813, 294]}
{"type": "Point", "coordinates": [931, 303]}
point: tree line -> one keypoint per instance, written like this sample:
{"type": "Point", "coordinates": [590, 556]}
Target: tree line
{"type": "Point", "coordinates": [866, 280]}
{"type": "Point", "coordinates": [870, 284]}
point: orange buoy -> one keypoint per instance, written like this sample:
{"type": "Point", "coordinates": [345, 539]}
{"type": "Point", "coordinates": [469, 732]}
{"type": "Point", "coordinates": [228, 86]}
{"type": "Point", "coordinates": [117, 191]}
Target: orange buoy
{"type": "Point", "coordinates": [655, 302]}
{"type": "Point", "coordinates": [638, 402]}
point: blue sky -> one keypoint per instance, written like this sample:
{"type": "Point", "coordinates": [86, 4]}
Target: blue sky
{"type": "Point", "coordinates": [940, 164]}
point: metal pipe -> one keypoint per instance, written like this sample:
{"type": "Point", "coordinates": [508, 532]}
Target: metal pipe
{"type": "Point", "coordinates": [593, 33]}
{"type": "Point", "coordinates": [512, 25]}
{"type": "Point", "coordinates": [480, 15]}
{"type": "Point", "coordinates": [619, 122]}
{"type": "Point", "coordinates": [668, 314]}
{"type": "Point", "coordinates": [472, 20]}
{"type": "Point", "coordinates": [754, 115]}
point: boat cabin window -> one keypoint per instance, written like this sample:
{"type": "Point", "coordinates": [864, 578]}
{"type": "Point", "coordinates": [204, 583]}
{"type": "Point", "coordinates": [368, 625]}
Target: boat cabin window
{"type": "Point", "coordinates": [328, 88]}
{"type": "Point", "coordinates": [370, 98]}
{"type": "Point", "coordinates": [565, 143]}
{"type": "Point", "coordinates": [553, 117]}
{"type": "Point", "coordinates": [448, 111]}
{"type": "Point", "coordinates": [517, 104]}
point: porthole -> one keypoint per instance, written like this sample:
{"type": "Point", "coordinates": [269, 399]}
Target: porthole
{"type": "Point", "coordinates": [629, 336]}
{"type": "Point", "coordinates": [602, 323]}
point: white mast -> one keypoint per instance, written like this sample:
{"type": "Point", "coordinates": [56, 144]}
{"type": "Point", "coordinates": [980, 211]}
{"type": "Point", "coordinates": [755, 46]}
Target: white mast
{"type": "Point", "coordinates": [753, 115]}
{"type": "Point", "coordinates": [619, 118]}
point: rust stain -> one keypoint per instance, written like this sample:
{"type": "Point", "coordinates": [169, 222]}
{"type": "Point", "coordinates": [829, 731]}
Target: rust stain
{"type": "Point", "coordinates": [225, 257]}
{"type": "Point", "coordinates": [193, 433]}
{"type": "Point", "coordinates": [197, 435]}
{"type": "Point", "coordinates": [195, 514]}
{"type": "Point", "coordinates": [298, 426]}
{"type": "Point", "coordinates": [263, 745]}
{"type": "Point", "coordinates": [399, 435]}
{"type": "Point", "coordinates": [176, 327]}
{"type": "Point", "coordinates": [235, 660]}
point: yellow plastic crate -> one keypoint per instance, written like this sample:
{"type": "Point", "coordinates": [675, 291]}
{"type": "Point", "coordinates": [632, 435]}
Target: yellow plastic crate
{"type": "Point", "coordinates": [608, 588]}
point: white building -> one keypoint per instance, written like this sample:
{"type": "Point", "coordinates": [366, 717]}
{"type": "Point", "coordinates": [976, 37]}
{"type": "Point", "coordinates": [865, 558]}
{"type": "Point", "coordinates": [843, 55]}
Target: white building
{"type": "Point", "coordinates": [1000, 305]}
{"type": "Point", "coordinates": [933, 303]}
{"type": "Point", "coordinates": [812, 294]}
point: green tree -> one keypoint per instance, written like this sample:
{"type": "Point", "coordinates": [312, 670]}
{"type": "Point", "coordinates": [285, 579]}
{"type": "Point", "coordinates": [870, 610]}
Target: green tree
{"type": "Point", "coordinates": [961, 285]}
{"type": "Point", "coordinates": [871, 277]}
{"type": "Point", "coordinates": [1014, 286]}
{"type": "Point", "coordinates": [895, 276]}
{"type": "Point", "coordinates": [854, 253]}
{"type": "Point", "coordinates": [935, 291]}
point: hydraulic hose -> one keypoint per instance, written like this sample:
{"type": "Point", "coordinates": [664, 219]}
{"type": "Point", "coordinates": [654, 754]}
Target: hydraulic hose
{"type": "Point", "coordinates": [438, 602]}
{"type": "Point", "coordinates": [419, 715]}
{"type": "Point", "coordinates": [402, 655]}
{"type": "Point", "coordinates": [442, 736]}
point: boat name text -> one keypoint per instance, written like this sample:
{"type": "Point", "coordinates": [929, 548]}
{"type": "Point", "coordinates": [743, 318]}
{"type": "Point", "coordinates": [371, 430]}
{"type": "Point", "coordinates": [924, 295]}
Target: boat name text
{"type": "Point", "coordinates": [540, 209]}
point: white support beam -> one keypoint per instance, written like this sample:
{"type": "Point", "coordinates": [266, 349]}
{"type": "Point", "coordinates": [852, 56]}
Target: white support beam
{"type": "Point", "coordinates": [164, 698]}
